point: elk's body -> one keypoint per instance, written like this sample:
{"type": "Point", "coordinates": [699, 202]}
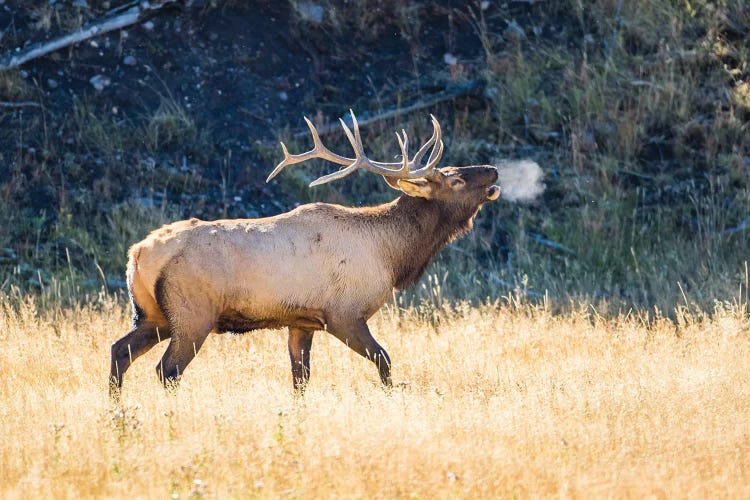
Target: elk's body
{"type": "Point", "coordinates": [320, 266]}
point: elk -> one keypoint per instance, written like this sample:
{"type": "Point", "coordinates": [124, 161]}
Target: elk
{"type": "Point", "coordinates": [318, 267]}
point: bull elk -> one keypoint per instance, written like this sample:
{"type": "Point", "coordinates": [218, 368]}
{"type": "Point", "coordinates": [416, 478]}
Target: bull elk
{"type": "Point", "coordinates": [317, 267]}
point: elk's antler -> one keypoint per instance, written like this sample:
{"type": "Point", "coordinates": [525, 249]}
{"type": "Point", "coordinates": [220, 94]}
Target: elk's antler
{"type": "Point", "coordinates": [406, 169]}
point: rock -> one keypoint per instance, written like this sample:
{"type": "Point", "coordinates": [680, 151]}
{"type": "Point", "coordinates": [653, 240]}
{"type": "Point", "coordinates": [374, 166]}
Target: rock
{"type": "Point", "coordinates": [100, 81]}
{"type": "Point", "coordinates": [8, 255]}
{"type": "Point", "coordinates": [52, 83]}
{"type": "Point", "coordinates": [129, 61]}
{"type": "Point", "coordinates": [514, 32]}
{"type": "Point", "coordinates": [491, 92]}
{"type": "Point", "coordinates": [310, 12]}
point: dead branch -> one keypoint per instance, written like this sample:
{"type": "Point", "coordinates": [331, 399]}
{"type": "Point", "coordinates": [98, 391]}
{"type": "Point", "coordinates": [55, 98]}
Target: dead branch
{"type": "Point", "coordinates": [552, 244]}
{"type": "Point", "coordinates": [453, 91]}
{"type": "Point", "coordinates": [739, 227]}
{"type": "Point", "coordinates": [115, 21]}
{"type": "Point", "coordinates": [25, 104]}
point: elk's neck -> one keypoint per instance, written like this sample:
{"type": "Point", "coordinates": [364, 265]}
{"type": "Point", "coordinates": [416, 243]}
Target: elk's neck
{"type": "Point", "coordinates": [417, 230]}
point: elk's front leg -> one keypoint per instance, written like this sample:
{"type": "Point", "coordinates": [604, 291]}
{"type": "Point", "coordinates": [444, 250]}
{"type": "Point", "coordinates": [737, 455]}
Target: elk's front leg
{"type": "Point", "coordinates": [300, 343]}
{"type": "Point", "coordinates": [357, 336]}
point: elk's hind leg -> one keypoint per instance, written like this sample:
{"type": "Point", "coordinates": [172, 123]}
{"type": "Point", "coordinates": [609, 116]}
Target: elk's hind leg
{"type": "Point", "coordinates": [300, 343]}
{"type": "Point", "coordinates": [138, 341]}
{"type": "Point", "coordinates": [180, 352]}
{"type": "Point", "coordinates": [191, 315]}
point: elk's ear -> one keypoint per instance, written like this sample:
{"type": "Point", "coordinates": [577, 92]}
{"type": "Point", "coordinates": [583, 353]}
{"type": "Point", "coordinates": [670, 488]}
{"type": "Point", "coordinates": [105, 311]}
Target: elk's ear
{"type": "Point", "coordinates": [420, 188]}
{"type": "Point", "coordinates": [391, 182]}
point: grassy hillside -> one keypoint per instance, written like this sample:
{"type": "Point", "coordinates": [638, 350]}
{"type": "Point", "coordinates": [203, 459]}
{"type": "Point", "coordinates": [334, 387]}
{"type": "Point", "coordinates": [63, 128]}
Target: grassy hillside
{"type": "Point", "coordinates": [498, 401]}
{"type": "Point", "coordinates": [636, 111]}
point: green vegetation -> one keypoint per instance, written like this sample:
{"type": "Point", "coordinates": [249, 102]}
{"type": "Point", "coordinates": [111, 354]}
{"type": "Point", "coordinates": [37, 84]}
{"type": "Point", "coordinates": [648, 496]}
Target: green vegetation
{"type": "Point", "coordinates": [636, 111]}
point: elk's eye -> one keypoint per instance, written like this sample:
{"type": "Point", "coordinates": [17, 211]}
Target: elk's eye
{"type": "Point", "coordinates": [457, 182]}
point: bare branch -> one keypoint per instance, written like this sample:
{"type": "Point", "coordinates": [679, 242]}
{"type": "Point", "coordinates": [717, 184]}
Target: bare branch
{"type": "Point", "coordinates": [452, 91]}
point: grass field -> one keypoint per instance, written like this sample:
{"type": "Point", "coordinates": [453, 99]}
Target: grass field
{"type": "Point", "coordinates": [496, 401]}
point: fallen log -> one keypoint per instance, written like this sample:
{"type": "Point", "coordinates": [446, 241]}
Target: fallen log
{"type": "Point", "coordinates": [118, 20]}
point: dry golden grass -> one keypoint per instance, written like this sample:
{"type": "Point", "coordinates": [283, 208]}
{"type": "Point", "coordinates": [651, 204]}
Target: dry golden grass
{"type": "Point", "coordinates": [500, 402]}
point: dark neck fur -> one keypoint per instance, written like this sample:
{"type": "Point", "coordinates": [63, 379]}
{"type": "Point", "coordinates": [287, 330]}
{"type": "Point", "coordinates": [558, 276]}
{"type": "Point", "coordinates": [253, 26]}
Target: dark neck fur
{"type": "Point", "coordinates": [416, 230]}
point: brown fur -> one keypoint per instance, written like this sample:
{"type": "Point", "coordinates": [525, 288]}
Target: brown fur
{"type": "Point", "coordinates": [317, 267]}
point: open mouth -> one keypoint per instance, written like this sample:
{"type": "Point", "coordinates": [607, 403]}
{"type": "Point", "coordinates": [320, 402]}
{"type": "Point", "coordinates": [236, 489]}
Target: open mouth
{"type": "Point", "coordinates": [493, 193]}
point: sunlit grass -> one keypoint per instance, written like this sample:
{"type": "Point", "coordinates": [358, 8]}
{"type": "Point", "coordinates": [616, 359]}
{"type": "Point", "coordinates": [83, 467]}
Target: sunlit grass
{"type": "Point", "coordinates": [497, 401]}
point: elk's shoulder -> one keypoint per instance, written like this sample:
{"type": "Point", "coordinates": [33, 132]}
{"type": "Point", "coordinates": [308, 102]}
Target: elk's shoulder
{"type": "Point", "coordinates": [169, 231]}
{"type": "Point", "coordinates": [323, 212]}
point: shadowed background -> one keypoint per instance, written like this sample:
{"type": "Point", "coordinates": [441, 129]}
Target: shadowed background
{"type": "Point", "coordinates": [636, 114]}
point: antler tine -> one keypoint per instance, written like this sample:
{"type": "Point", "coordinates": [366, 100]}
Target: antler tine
{"type": "Point", "coordinates": [437, 151]}
{"type": "Point", "coordinates": [281, 164]}
{"type": "Point", "coordinates": [405, 149]}
{"type": "Point", "coordinates": [435, 155]}
{"type": "Point", "coordinates": [318, 151]}
{"type": "Point", "coordinates": [335, 175]}
{"type": "Point", "coordinates": [358, 137]}
{"type": "Point", "coordinates": [404, 145]}
{"type": "Point", "coordinates": [354, 140]}
{"type": "Point", "coordinates": [421, 152]}
{"type": "Point", "coordinates": [362, 161]}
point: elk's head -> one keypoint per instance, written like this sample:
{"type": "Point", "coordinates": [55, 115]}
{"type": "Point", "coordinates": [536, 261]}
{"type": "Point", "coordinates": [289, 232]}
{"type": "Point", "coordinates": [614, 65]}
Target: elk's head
{"type": "Point", "coordinates": [464, 189]}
